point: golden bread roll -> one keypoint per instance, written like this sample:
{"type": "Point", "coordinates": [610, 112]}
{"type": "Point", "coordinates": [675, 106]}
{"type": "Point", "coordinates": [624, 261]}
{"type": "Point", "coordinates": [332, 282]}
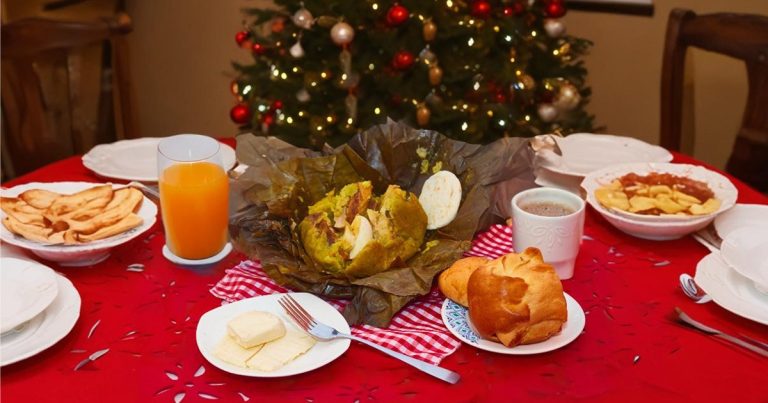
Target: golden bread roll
{"type": "Point", "coordinates": [453, 280]}
{"type": "Point", "coordinates": [517, 299]}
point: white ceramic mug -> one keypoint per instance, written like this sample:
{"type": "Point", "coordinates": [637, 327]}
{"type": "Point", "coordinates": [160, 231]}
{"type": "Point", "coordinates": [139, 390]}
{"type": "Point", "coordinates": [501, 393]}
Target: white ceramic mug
{"type": "Point", "coordinates": [559, 237]}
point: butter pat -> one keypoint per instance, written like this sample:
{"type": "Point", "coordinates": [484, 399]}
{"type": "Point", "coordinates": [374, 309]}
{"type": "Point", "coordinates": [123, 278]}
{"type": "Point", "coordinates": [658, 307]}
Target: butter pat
{"type": "Point", "coordinates": [281, 351]}
{"type": "Point", "coordinates": [229, 351]}
{"type": "Point", "coordinates": [253, 328]}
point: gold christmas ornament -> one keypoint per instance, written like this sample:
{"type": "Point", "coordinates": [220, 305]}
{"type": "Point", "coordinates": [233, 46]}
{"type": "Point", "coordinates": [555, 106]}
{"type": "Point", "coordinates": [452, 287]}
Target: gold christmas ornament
{"type": "Point", "coordinates": [303, 18]}
{"type": "Point", "coordinates": [528, 82]}
{"type": "Point", "coordinates": [422, 115]}
{"type": "Point", "coordinates": [567, 97]}
{"type": "Point", "coordinates": [429, 31]}
{"type": "Point", "coordinates": [435, 75]}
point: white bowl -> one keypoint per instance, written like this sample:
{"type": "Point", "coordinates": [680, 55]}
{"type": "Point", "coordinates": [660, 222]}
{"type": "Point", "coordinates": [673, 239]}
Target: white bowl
{"type": "Point", "coordinates": [75, 255]}
{"type": "Point", "coordinates": [659, 227]}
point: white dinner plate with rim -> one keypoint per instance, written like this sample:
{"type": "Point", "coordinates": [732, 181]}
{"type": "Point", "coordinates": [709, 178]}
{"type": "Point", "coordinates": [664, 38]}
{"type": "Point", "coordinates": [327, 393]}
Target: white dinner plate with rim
{"type": "Point", "coordinates": [45, 329]}
{"type": "Point", "coordinates": [731, 290]}
{"type": "Point", "coordinates": [212, 327]}
{"type": "Point", "coordinates": [740, 216]}
{"type": "Point", "coordinates": [136, 159]}
{"type": "Point", "coordinates": [456, 319]}
{"type": "Point", "coordinates": [583, 153]}
{"type": "Point", "coordinates": [82, 254]}
{"type": "Point", "coordinates": [26, 288]}
{"type": "Point", "coordinates": [746, 251]}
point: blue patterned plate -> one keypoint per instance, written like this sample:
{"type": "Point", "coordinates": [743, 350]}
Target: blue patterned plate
{"type": "Point", "coordinates": [456, 319]}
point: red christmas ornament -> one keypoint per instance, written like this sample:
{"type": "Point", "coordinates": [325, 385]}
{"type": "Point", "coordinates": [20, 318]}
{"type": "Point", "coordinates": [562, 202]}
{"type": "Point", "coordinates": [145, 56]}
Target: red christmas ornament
{"type": "Point", "coordinates": [277, 104]}
{"type": "Point", "coordinates": [241, 37]}
{"type": "Point", "coordinates": [258, 48]}
{"type": "Point", "coordinates": [555, 9]}
{"type": "Point", "coordinates": [240, 114]}
{"type": "Point", "coordinates": [397, 15]}
{"type": "Point", "coordinates": [403, 60]}
{"type": "Point", "coordinates": [500, 97]}
{"type": "Point", "coordinates": [268, 119]}
{"type": "Point", "coordinates": [508, 11]}
{"type": "Point", "coordinates": [481, 9]}
{"type": "Point", "coordinates": [518, 8]}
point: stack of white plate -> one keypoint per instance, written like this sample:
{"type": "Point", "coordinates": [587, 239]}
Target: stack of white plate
{"type": "Point", "coordinates": [37, 308]}
{"type": "Point", "coordinates": [736, 277]}
{"type": "Point", "coordinates": [583, 153]}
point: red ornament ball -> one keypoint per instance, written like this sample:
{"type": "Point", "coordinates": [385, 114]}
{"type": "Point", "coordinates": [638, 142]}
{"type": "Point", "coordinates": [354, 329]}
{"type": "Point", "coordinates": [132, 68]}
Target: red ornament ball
{"type": "Point", "coordinates": [397, 15]}
{"type": "Point", "coordinates": [277, 104]}
{"type": "Point", "coordinates": [241, 37]}
{"type": "Point", "coordinates": [481, 9]}
{"type": "Point", "coordinates": [240, 114]}
{"type": "Point", "coordinates": [508, 11]}
{"type": "Point", "coordinates": [258, 48]}
{"type": "Point", "coordinates": [268, 119]}
{"type": "Point", "coordinates": [403, 60]}
{"type": "Point", "coordinates": [518, 8]}
{"type": "Point", "coordinates": [500, 97]}
{"type": "Point", "coordinates": [555, 9]}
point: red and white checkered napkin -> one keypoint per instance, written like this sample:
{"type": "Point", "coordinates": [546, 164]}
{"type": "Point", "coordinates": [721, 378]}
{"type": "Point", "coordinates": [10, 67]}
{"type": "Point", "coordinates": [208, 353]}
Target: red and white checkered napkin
{"type": "Point", "coordinates": [417, 330]}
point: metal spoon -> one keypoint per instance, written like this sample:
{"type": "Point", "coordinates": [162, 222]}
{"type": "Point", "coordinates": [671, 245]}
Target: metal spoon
{"type": "Point", "coordinates": [692, 291]}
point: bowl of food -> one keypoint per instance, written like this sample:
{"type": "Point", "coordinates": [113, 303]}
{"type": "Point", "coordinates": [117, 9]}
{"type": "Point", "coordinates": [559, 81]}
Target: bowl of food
{"type": "Point", "coordinates": [659, 201]}
{"type": "Point", "coordinates": [73, 223]}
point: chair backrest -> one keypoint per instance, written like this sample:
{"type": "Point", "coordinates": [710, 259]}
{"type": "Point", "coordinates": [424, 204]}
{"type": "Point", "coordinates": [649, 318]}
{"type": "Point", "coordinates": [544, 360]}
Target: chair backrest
{"type": "Point", "coordinates": [741, 36]}
{"type": "Point", "coordinates": [54, 103]}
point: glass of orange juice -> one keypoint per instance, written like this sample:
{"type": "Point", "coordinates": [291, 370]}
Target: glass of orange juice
{"type": "Point", "coordinates": [194, 194]}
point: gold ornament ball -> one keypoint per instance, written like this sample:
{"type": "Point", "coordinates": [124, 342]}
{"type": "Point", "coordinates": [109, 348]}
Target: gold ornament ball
{"type": "Point", "coordinates": [429, 31]}
{"type": "Point", "coordinates": [422, 115]}
{"type": "Point", "coordinates": [528, 82]}
{"type": "Point", "coordinates": [567, 98]}
{"type": "Point", "coordinates": [435, 75]}
{"type": "Point", "coordinates": [342, 33]}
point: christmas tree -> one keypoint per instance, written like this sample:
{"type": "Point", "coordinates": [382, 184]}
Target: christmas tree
{"type": "Point", "coordinates": [474, 71]}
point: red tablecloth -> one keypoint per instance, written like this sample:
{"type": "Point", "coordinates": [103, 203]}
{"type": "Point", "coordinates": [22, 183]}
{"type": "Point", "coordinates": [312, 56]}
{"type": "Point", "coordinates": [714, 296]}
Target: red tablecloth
{"type": "Point", "coordinates": [631, 350]}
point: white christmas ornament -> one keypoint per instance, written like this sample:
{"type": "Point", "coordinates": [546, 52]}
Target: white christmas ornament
{"type": "Point", "coordinates": [342, 33]}
{"type": "Point", "coordinates": [303, 19]}
{"type": "Point", "coordinates": [555, 27]}
{"type": "Point", "coordinates": [302, 95]}
{"type": "Point", "coordinates": [296, 51]}
{"type": "Point", "coordinates": [547, 112]}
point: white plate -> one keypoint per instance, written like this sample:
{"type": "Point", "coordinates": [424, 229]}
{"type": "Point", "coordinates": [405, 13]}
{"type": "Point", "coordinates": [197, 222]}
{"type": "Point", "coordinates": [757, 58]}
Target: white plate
{"type": "Point", "coordinates": [213, 326]}
{"type": "Point", "coordinates": [741, 215]}
{"type": "Point", "coordinates": [26, 288]}
{"type": "Point", "coordinates": [456, 319]}
{"type": "Point", "coordinates": [201, 262]}
{"type": "Point", "coordinates": [746, 251]}
{"type": "Point", "coordinates": [45, 329]}
{"type": "Point", "coordinates": [75, 255]}
{"type": "Point", "coordinates": [731, 290]}
{"type": "Point", "coordinates": [136, 159]}
{"type": "Point", "coordinates": [583, 153]}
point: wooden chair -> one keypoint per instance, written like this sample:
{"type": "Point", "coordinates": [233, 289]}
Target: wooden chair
{"type": "Point", "coordinates": [50, 108]}
{"type": "Point", "coordinates": [740, 36]}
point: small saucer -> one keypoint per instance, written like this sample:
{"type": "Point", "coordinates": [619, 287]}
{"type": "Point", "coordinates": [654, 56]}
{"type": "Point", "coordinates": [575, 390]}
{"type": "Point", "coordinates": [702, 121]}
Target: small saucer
{"type": "Point", "coordinates": [201, 262]}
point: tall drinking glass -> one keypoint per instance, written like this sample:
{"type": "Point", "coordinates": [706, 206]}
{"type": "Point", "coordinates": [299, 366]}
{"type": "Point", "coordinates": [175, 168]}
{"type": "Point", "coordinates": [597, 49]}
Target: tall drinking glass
{"type": "Point", "coordinates": [194, 192]}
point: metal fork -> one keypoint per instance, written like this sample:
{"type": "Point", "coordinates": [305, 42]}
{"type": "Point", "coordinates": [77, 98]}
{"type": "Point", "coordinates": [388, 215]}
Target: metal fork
{"type": "Point", "coordinates": [684, 318]}
{"type": "Point", "coordinates": [325, 332]}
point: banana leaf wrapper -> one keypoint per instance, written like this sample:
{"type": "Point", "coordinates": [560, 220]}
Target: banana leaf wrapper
{"type": "Point", "coordinates": [282, 181]}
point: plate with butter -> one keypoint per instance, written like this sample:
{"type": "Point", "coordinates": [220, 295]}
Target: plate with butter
{"type": "Point", "coordinates": [255, 337]}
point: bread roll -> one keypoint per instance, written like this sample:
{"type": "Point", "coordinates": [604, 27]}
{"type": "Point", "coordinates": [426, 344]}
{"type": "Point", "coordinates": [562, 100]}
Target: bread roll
{"type": "Point", "coordinates": [517, 299]}
{"type": "Point", "coordinates": [453, 281]}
